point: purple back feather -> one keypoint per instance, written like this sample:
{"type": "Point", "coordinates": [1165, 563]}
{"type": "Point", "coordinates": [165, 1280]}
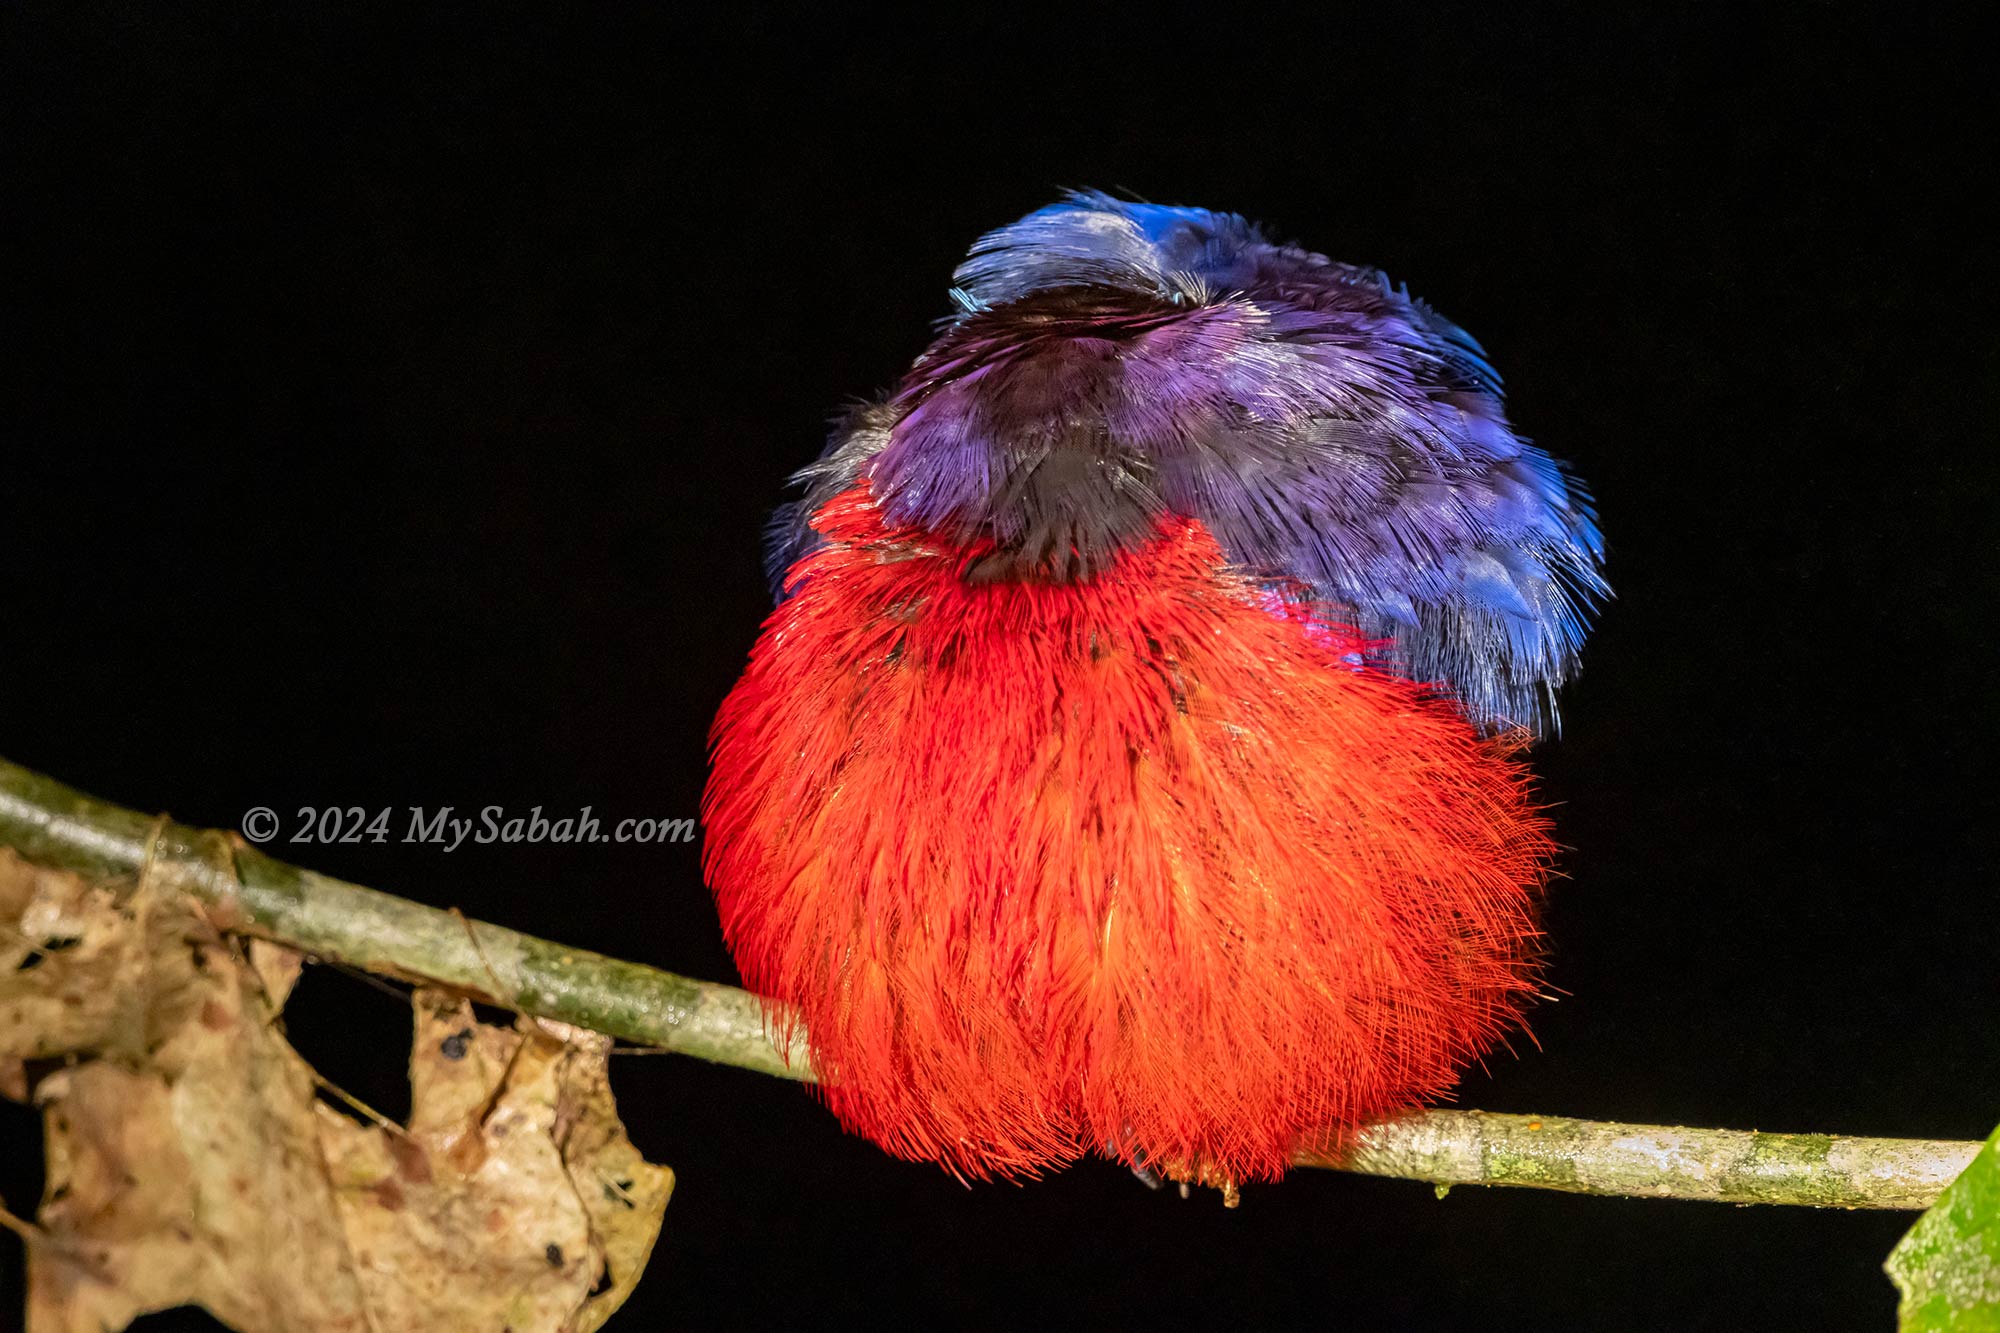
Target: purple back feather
{"type": "Point", "coordinates": [1114, 362]}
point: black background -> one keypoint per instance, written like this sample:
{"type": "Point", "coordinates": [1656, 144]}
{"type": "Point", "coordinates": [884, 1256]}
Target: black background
{"type": "Point", "coordinates": [391, 406]}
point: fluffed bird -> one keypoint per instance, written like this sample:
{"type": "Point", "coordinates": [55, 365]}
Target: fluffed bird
{"type": "Point", "coordinates": [1131, 763]}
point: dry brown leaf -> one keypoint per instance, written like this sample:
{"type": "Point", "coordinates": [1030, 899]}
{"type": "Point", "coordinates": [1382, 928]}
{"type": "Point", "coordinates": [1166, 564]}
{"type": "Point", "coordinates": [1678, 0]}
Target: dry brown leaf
{"type": "Point", "coordinates": [184, 1166]}
{"type": "Point", "coordinates": [48, 917]}
{"type": "Point", "coordinates": [277, 969]}
{"type": "Point", "coordinates": [195, 1163]}
{"type": "Point", "coordinates": [624, 1194]}
{"type": "Point", "coordinates": [479, 1217]}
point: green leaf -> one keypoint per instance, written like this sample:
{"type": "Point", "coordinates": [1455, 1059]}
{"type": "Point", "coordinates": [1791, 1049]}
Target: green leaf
{"type": "Point", "coordinates": [1948, 1266]}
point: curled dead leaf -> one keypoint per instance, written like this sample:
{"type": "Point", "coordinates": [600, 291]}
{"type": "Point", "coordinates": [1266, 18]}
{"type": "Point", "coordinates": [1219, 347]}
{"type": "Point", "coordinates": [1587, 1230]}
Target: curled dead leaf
{"type": "Point", "coordinates": [191, 1159]}
{"type": "Point", "coordinates": [490, 1207]}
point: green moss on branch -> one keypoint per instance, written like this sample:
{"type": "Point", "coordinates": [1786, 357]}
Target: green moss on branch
{"type": "Point", "coordinates": [328, 918]}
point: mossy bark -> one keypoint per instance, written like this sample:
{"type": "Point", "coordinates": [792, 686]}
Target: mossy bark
{"type": "Point", "coordinates": [1657, 1161]}
{"type": "Point", "coordinates": [253, 894]}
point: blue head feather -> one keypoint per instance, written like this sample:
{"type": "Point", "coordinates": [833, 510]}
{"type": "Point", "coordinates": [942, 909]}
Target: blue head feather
{"type": "Point", "coordinates": [1112, 362]}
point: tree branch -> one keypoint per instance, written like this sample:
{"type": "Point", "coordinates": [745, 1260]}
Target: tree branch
{"type": "Point", "coordinates": [251, 893]}
{"type": "Point", "coordinates": [1657, 1161]}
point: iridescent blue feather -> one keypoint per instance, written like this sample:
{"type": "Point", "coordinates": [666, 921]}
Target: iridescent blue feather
{"type": "Point", "coordinates": [1111, 362]}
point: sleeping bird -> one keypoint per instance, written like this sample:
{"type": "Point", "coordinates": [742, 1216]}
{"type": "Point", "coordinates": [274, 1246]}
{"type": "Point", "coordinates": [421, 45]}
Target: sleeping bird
{"type": "Point", "coordinates": [1132, 762]}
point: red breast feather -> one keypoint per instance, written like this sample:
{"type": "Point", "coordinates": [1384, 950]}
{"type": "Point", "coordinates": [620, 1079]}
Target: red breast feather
{"type": "Point", "coordinates": [1130, 864]}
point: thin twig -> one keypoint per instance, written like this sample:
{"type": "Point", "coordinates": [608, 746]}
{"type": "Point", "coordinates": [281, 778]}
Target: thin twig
{"type": "Point", "coordinates": [382, 1122]}
{"type": "Point", "coordinates": [328, 918]}
{"type": "Point", "coordinates": [347, 924]}
{"type": "Point", "coordinates": [1450, 1148]}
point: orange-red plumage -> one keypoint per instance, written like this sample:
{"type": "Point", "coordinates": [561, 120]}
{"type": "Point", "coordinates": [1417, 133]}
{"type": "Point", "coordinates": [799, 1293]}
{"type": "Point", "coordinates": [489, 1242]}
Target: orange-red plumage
{"type": "Point", "coordinates": [1144, 863]}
